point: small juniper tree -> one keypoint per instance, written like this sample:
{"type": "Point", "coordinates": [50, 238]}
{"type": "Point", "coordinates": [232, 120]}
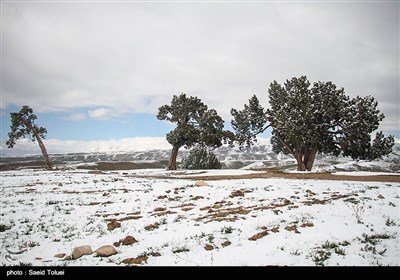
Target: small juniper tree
{"type": "Point", "coordinates": [23, 126]}
{"type": "Point", "coordinates": [306, 120]}
{"type": "Point", "coordinates": [201, 158]}
{"type": "Point", "coordinates": [195, 124]}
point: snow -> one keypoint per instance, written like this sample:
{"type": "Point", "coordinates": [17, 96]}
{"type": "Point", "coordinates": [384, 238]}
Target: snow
{"type": "Point", "coordinates": [363, 173]}
{"type": "Point", "coordinates": [52, 212]}
{"type": "Point", "coordinates": [255, 165]}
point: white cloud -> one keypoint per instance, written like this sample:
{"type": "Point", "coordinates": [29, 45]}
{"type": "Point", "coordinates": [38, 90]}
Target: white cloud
{"type": "Point", "coordinates": [132, 57]}
{"type": "Point", "coordinates": [101, 113]}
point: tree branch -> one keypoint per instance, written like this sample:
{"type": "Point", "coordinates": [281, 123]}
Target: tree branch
{"type": "Point", "coordinates": [260, 131]}
{"type": "Point", "coordinates": [285, 144]}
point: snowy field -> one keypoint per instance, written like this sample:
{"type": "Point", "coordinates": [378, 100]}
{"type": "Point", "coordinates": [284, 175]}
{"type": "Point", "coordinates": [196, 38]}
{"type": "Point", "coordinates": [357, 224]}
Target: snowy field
{"type": "Point", "coordinates": [166, 222]}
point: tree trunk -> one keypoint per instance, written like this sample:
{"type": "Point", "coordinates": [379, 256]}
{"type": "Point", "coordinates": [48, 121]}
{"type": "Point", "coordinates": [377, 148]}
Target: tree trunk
{"type": "Point", "coordinates": [47, 161]}
{"type": "Point", "coordinates": [172, 159]}
{"type": "Point", "coordinates": [299, 159]}
{"type": "Point", "coordinates": [310, 158]}
{"type": "Point", "coordinates": [307, 155]}
{"type": "Point", "coordinates": [49, 166]}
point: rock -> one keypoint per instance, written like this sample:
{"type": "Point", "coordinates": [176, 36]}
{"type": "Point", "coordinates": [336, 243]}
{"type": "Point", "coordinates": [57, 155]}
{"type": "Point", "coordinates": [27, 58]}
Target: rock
{"type": "Point", "coordinates": [129, 240]}
{"type": "Point", "coordinates": [137, 260]}
{"type": "Point", "coordinates": [209, 247]}
{"type": "Point", "coordinates": [117, 244]}
{"type": "Point", "coordinates": [80, 251]}
{"type": "Point", "coordinates": [201, 184]}
{"type": "Point", "coordinates": [59, 255]}
{"type": "Point", "coordinates": [113, 225]}
{"type": "Point", "coordinates": [381, 196]}
{"type": "Point", "coordinates": [106, 251]}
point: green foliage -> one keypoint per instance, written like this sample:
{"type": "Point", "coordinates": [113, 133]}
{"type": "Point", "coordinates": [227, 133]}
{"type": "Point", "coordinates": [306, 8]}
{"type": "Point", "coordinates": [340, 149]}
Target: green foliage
{"type": "Point", "coordinates": [227, 230]}
{"type": "Point", "coordinates": [4, 227]}
{"type": "Point", "coordinates": [180, 250]}
{"type": "Point", "coordinates": [23, 126]}
{"type": "Point", "coordinates": [249, 122]}
{"type": "Point", "coordinates": [201, 158]}
{"type": "Point", "coordinates": [340, 251]}
{"type": "Point", "coordinates": [390, 222]}
{"type": "Point", "coordinates": [329, 245]}
{"type": "Point", "coordinates": [308, 119]}
{"type": "Point", "coordinates": [320, 256]}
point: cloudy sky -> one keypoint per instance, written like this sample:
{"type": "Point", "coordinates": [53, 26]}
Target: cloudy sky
{"type": "Point", "coordinates": [99, 70]}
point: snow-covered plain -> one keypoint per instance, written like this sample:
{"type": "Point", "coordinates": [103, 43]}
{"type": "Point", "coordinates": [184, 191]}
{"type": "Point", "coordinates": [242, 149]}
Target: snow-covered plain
{"type": "Point", "coordinates": [246, 222]}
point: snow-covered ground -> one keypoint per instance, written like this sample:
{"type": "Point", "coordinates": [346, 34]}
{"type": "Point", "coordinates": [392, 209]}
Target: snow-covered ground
{"type": "Point", "coordinates": [246, 222]}
{"type": "Point", "coordinates": [364, 173]}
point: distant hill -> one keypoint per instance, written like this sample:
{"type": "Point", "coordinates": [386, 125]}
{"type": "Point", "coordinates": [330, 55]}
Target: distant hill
{"type": "Point", "coordinates": [259, 156]}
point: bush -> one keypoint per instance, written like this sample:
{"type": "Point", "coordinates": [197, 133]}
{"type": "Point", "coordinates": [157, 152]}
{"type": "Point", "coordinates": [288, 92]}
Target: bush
{"type": "Point", "coordinates": [201, 158]}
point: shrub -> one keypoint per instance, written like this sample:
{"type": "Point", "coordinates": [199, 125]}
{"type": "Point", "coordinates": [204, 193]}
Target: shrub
{"type": "Point", "coordinates": [201, 158]}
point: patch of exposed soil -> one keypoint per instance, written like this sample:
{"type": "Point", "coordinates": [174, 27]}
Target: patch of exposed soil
{"type": "Point", "coordinates": [307, 225]}
{"type": "Point", "coordinates": [113, 225]}
{"type": "Point", "coordinates": [152, 226]}
{"type": "Point", "coordinates": [163, 213]}
{"type": "Point", "coordinates": [236, 194]}
{"type": "Point", "coordinates": [221, 214]}
{"type": "Point", "coordinates": [292, 228]}
{"type": "Point", "coordinates": [259, 235]}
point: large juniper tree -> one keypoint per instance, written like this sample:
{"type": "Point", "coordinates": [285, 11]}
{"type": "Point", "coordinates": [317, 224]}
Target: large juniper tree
{"type": "Point", "coordinates": [306, 120]}
{"type": "Point", "coordinates": [23, 126]}
{"type": "Point", "coordinates": [195, 124]}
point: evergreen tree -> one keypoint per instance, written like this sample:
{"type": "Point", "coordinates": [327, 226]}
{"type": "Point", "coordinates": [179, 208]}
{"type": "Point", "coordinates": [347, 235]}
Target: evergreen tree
{"type": "Point", "coordinates": [306, 120]}
{"type": "Point", "coordinates": [23, 126]}
{"type": "Point", "coordinates": [195, 124]}
{"type": "Point", "coordinates": [201, 158]}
